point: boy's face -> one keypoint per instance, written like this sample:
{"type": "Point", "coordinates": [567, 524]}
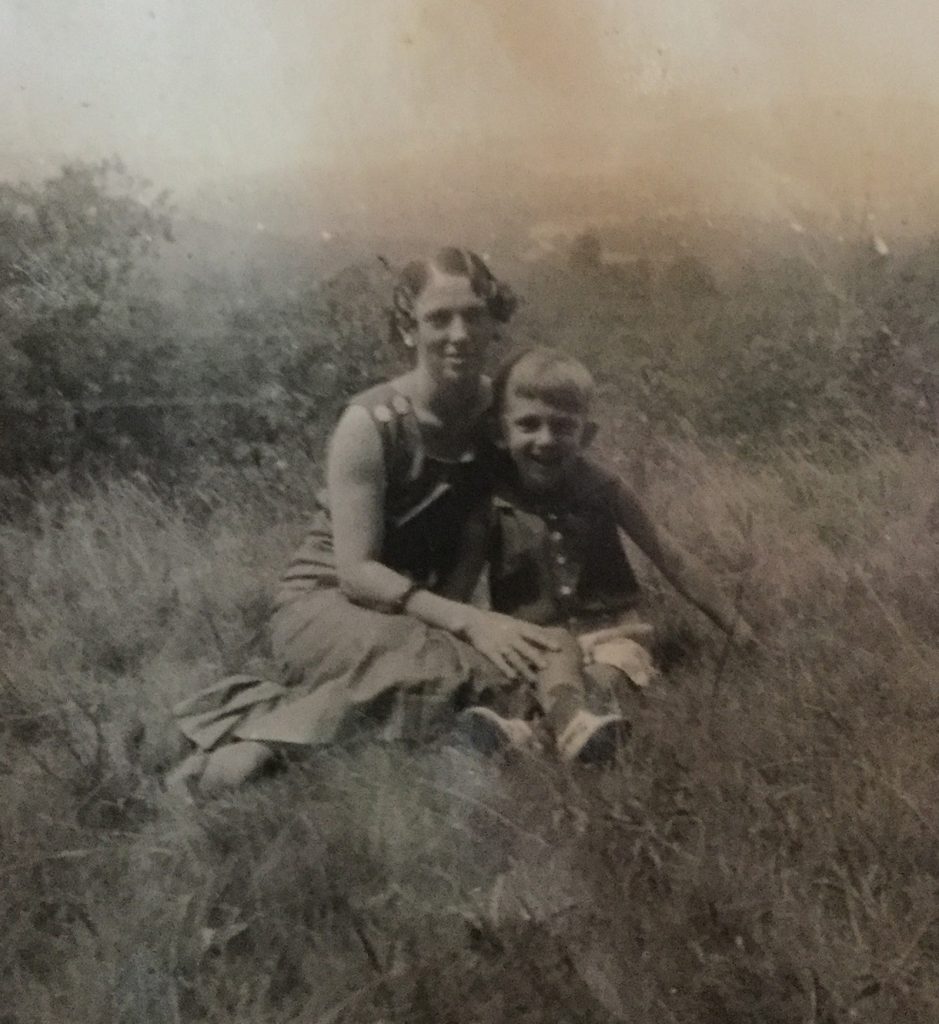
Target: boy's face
{"type": "Point", "coordinates": [542, 440]}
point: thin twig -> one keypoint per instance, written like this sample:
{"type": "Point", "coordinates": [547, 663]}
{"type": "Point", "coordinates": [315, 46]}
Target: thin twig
{"type": "Point", "coordinates": [30, 753]}
{"type": "Point", "coordinates": [728, 646]}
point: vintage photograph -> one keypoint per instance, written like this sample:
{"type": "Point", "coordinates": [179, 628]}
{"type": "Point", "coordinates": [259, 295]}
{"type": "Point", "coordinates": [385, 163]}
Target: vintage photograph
{"type": "Point", "coordinates": [469, 512]}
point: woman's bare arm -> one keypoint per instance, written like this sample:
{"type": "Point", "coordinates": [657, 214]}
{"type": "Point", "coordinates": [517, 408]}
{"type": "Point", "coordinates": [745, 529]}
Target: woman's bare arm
{"type": "Point", "coordinates": [685, 573]}
{"type": "Point", "coordinates": [355, 477]}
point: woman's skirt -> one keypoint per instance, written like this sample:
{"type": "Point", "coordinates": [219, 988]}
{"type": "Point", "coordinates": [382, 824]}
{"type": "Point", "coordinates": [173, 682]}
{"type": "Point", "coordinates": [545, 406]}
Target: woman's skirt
{"type": "Point", "coordinates": [348, 672]}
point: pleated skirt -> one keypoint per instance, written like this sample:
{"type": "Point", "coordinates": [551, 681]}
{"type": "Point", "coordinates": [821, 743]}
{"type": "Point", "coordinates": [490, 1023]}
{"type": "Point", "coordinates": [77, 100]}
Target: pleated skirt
{"type": "Point", "coordinates": [347, 672]}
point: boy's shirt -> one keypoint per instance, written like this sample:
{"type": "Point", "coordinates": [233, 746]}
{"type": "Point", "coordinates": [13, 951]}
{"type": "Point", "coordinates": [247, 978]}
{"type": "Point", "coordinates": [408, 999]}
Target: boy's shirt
{"type": "Point", "coordinates": [559, 557]}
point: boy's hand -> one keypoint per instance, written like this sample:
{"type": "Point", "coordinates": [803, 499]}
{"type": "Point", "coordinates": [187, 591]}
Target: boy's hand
{"type": "Point", "coordinates": [516, 648]}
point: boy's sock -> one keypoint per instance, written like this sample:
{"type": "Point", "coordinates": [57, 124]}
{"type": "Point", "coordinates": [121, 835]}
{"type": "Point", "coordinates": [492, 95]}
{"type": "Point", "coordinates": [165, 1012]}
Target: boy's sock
{"type": "Point", "coordinates": [581, 735]}
{"type": "Point", "coordinates": [561, 704]}
{"type": "Point", "coordinates": [490, 733]}
{"type": "Point", "coordinates": [592, 739]}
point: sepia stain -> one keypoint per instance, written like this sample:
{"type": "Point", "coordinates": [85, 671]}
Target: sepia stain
{"type": "Point", "coordinates": [676, 109]}
{"type": "Point", "coordinates": [783, 110]}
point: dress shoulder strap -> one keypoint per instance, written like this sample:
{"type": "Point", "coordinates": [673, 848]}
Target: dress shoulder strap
{"type": "Point", "coordinates": [391, 412]}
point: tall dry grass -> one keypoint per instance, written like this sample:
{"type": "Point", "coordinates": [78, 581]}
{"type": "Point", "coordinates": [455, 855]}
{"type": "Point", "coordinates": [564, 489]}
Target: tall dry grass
{"type": "Point", "coordinates": [764, 851]}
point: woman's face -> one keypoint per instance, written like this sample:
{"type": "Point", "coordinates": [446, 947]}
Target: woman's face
{"type": "Point", "coordinates": [452, 330]}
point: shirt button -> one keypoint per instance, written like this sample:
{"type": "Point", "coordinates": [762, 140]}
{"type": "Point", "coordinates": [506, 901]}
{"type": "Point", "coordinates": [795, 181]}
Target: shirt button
{"type": "Point", "coordinates": [556, 535]}
{"type": "Point", "coordinates": [565, 591]}
{"type": "Point", "coordinates": [561, 559]}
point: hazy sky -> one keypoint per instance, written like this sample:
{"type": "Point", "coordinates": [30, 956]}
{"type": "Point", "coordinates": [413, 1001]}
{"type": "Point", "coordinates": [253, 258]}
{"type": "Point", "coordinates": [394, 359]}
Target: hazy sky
{"type": "Point", "coordinates": [190, 90]}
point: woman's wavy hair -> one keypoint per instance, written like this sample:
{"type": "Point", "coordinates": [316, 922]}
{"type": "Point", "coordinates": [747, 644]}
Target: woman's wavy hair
{"type": "Point", "coordinates": [499, 298]}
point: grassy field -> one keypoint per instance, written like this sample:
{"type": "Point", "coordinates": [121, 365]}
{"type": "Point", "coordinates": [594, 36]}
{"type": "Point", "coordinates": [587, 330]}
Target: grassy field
{"type": "Point", "coordinates": [764, 851]}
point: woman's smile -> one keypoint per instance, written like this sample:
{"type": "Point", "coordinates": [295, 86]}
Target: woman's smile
{"type": "Point", "coordinates": [452, 328]}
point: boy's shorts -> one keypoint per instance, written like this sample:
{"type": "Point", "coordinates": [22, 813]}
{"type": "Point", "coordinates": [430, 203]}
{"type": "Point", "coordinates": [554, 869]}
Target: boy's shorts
{"type": "Point", "coordinates": [623, 645]}
{"type": "Point", "coordinates": [628, 656]}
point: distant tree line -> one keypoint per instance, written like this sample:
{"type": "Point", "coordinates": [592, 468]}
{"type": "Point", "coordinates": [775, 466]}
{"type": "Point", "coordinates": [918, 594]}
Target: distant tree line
{"type": "Point", "coordinates": [833, 347]}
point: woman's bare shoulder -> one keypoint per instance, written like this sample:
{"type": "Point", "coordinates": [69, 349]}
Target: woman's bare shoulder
{"type": "Point", "coordinates": [402, 385]}
{"type": "Point", "coordinates": [354, 418]}
{"type": "Point", "coordinates": [355, 445]}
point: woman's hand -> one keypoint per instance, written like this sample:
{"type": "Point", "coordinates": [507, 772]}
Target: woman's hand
{"type": "Point", "coordinates": [515, 647]}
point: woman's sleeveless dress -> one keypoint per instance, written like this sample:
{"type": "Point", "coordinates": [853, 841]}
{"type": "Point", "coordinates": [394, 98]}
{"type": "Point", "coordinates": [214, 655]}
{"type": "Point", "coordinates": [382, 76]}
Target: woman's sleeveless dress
{"type": "Point", "coordinates": [348, 669]}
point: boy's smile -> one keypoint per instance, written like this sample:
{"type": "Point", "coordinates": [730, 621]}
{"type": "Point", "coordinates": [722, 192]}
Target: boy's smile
{"type": "Point", "coordinates": [544, 442]}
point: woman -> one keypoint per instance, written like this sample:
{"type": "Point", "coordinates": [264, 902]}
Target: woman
{"type": "Point", "coordinates": [372, 627]}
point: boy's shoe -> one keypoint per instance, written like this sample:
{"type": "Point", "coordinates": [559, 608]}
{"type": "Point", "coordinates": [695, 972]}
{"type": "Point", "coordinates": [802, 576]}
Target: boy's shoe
{"type": "Point", "coordinates": [490, 733]}
{"type": "Point", "coordinates": [592, 739]}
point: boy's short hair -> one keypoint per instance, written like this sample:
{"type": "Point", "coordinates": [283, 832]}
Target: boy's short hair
{"type": "Point", "coordinates": [546, 374]}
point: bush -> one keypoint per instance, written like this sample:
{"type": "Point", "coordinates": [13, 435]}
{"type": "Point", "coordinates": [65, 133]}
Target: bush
{"type": "Point", "coordinates": [103, 371]}
{"type": "Point", "coordinates": [826, 344]}
{"type": "Point", "coordinates": [78, 331]}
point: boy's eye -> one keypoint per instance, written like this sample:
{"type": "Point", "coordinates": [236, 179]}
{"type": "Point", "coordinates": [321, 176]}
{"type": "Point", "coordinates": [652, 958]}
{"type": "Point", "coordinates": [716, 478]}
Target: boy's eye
{"type": "Point", "coordinates": [564, 427]}
{"type": "Point", "coordinates": [439, 318]}
{"type": "Point", "coordinates": [528, 423]}
{"type": "Point", "coordinates": [473, 314]}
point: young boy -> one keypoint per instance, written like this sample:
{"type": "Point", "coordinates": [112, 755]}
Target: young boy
{"type": "Point", "coordinates": [556, 557]}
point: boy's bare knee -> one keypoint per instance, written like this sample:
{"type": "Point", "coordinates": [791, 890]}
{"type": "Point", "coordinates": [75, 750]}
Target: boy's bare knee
{"type": "Point", "coordinates": [562, 666]}
{"type": "Point", "coordinates": [564, 638]}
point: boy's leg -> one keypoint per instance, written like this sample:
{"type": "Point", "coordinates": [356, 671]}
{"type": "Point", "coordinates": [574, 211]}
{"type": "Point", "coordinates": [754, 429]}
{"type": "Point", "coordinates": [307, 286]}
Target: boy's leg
{"type": "Point", "coordinates": [579, 733]}
{"type": "Point", "coordinates": [561, 681]}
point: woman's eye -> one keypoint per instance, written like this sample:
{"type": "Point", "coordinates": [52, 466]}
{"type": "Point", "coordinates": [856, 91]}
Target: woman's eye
{"type": "Point", "coordinates": [528, 424]}
{"type": "Point", "coordinates": [440, 319]}
{"type": "Point", "coordinates": [473, 315]}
